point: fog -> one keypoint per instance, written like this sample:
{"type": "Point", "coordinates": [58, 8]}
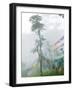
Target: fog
{"type": "Point", "coordinates": [54, 30]}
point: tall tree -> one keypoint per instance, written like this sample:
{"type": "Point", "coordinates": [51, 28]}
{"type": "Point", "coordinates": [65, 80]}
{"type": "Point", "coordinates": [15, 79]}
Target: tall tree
{"type": "Point", "coordinates": [37, 27]}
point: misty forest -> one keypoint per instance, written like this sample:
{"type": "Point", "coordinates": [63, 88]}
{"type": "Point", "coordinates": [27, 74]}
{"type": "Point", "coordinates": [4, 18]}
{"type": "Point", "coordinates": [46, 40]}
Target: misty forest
{"type": "Point", "coordinates": [42, 45]}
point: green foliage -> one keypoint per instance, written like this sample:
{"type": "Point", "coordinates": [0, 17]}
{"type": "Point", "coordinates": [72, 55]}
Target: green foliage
{"type": "Point", "coordinates": [34, 50]}
{"type": "Point", "coordinates": [62, 15]}
{"type": "Point", "coordinates": [35, 18]}
{"type": "Point", "coordinates": [37, 26]}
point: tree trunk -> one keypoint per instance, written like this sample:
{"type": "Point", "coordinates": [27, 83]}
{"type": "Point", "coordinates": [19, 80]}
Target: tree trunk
{"type": "Point", "coordinates": [40, 55]}
{"type": "Point", "coordinates": [41, 72]}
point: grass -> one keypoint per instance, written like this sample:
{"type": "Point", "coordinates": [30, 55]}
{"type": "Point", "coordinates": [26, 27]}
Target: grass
{"type": "Point", "coordinates": [49, 72]}
{"type": "Point", "coordinates": [53, 72]}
